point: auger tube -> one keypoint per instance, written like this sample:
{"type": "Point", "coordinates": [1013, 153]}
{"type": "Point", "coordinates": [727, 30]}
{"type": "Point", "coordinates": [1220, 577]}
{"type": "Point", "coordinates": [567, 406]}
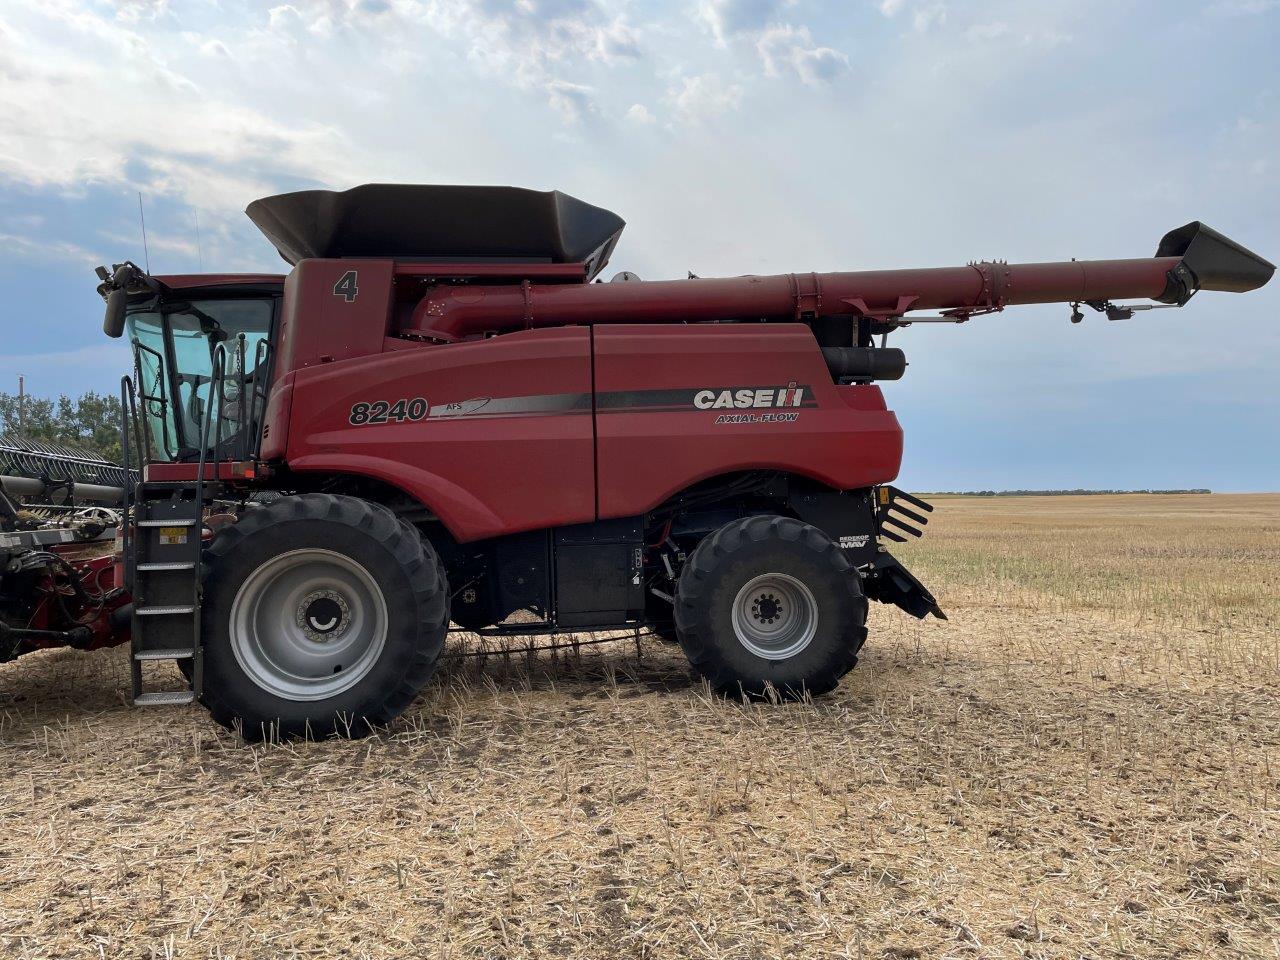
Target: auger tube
{"type": "Point", "coordinates": [34, 487]}
{"type": "Point", "coordinates": [1194, 258]}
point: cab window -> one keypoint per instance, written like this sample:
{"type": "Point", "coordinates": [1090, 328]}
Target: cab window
{"type": "Point", "coordinates": [174, 347]}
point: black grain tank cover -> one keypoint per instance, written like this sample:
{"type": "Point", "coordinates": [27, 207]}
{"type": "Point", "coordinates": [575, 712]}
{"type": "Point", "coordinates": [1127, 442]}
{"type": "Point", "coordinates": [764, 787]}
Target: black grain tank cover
{"type": "Point", "coordinates": [433, 222]}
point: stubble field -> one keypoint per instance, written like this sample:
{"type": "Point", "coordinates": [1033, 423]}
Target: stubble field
{"type": "Point", "coordinates": [1082, 762]}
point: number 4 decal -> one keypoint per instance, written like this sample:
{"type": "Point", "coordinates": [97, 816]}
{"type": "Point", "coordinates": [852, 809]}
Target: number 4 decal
{"type": "Point", "coordinates": [346, 287]}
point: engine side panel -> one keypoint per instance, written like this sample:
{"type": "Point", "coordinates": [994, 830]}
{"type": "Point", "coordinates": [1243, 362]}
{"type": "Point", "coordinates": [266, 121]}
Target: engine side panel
{"type": "Point", "coordinates": [495, 435]}
{"type": "Point", "coordinates": [678, 404]}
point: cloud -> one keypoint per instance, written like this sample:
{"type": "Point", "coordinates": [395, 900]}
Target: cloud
{"type": "Point", "coordinates": [157, 242]}
{"type": "Point", "coordinates": [988, 31]}
{"type": "Point", "coordinates": [134, 11]}
{"type": "Point", "coordinates": [617, 41]}
{"type": "Point", "coordinates": [58, 129]}
{"type": "Point", "coordinates": [786, 49]}
{"type": "Point", "coordinates": [925, 14]}
{"type": "Point", "coordinates": [639, 113]}
{"type": "Point", "coordinates": [533, 36]}
{"type": "Point", "coordinates": [703, 96]}
{"type": "Point", "coordinates": [35, 249]}
{"type": "Point", "coordinates": [572, 100]}
{"type": "Point", "coordinates": [1245, 150]}
{"type": "Point", "coordinates": [284, 17]}
{"type": "Point", "coordinates": [730, 18]}
{"type": "Point", "coordinates": [1002, 30]}
{"type": "Point", "coordinates": [928, 16]}
{"type": "Point", "coordinates": [533, 44]}
{"type": "Point", "coordinates": [214, 48]}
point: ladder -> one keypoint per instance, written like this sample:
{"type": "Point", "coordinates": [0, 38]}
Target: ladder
{"type": "Point", "coordinates": [162, 564]}
{"type": "Point", "coordinates": [166, 586]}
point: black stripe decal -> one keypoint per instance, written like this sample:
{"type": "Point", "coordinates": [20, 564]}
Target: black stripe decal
{"type": "Point", "coordinates": [614, 401]}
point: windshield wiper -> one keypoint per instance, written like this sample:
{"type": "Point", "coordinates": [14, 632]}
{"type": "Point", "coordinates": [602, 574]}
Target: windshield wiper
{"type": "Point", "coordinates": [208, 325]}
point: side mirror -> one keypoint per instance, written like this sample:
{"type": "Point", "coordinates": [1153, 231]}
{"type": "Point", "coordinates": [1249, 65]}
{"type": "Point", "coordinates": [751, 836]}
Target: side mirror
{"type": "Point", "coordinates": [118, 299]}
{"type": "Point", "coordinates": [113, 322]}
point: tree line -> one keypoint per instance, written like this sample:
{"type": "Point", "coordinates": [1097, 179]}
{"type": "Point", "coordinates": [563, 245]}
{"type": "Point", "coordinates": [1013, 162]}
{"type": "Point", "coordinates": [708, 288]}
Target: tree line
{"type": "Point", "coordinates": [1051, 493]}
{"type": "Point", "coordinates": [90, 422]}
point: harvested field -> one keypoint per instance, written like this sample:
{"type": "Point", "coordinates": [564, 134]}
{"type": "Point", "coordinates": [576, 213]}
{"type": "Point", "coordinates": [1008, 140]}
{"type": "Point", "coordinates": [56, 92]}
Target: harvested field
{"type": "Point", "coordinates": [1083, 762]}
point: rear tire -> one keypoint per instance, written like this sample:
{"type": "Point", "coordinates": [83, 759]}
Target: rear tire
{"type": "Point", "coordinates": [770, 604]}
{"type": "Point", "coordinates": [322, 615]}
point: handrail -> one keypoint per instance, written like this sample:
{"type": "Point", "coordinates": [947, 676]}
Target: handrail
{"type": "Point", "coordinates": [261, 386]}
{"type": "Point", "coordinates": [241, 377]}
{"type": "Point", "coordinates": [215, 388]}
{"type": "Point", "coordinates": [128, 419]}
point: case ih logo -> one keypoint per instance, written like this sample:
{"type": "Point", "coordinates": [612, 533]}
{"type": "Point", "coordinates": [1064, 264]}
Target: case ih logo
{"type": "Point", "coordinates": [742, 398]}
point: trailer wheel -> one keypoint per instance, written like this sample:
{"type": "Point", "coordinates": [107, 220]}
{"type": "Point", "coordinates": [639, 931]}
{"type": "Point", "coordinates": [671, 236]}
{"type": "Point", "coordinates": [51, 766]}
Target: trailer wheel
{"type": "Point", "coordinates": [322, 615]}
{"type": "Point", "coordinates": [770, 604]}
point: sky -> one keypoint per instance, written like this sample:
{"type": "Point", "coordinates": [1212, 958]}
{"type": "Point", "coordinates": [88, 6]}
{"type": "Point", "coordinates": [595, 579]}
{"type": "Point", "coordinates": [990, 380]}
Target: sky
{"type": "Point", "coordinates": [734, 136]}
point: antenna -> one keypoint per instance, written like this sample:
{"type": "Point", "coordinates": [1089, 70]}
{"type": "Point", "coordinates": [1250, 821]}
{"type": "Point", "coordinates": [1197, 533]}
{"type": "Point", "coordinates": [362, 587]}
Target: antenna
{"type": "Point", "coordinates": [146, 256]}
{"type": "Point", "coordinates": [199, 247]}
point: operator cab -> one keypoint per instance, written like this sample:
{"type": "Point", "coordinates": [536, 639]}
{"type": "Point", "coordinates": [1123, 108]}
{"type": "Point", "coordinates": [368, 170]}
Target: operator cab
{"type": "Point", "coordinates": [197, 341]}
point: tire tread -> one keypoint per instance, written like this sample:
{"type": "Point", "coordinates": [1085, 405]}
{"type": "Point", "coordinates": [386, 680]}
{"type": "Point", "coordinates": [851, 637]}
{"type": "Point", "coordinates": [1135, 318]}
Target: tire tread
{"type": "Point", "coordinates": [719, 548]}
{"type": "Point", "coordinates": [416, 557]}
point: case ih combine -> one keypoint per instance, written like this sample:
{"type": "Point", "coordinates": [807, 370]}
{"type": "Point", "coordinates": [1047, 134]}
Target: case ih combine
{"type": "Point", "coordinates": [441, 414]}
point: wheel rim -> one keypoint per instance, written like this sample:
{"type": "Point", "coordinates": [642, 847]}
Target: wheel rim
{"type": "Point", "coordinates": [308, 624]}
{"type": "Point", "coordinates": [775, 616]}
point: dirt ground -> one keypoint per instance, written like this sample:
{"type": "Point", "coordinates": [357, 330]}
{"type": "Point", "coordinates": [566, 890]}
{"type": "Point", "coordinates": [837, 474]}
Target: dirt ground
{"type": "Point", "coordinates": [1082, 762]}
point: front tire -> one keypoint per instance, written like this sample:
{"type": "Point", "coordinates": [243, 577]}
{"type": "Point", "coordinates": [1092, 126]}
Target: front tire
{"type": "Point", "coordinates": [322, 615]}
{"type": "Point", "coordinates": [770, 603]}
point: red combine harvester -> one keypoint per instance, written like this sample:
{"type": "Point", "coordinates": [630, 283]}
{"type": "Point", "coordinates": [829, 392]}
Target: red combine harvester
{"type": "Point", "coordinates": [441, 414]}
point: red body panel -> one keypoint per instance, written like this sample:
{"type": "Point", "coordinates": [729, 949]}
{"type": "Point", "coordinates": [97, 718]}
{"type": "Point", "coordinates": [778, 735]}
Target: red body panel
{"type": "Point", "coordinates": [507, 443]}
{"type": "Point", "coordinates": [319, 325]}
{"type": "Point", "coordinates": [172, 472]}
{"type": "Point", "coordinates": [498, 462]}
{"type": "Point", "coordinates": [275, 420]}
{"type": "Point", "coordinates": [185, 281]}
{"type": "Point", "coordinates": [646, 455]}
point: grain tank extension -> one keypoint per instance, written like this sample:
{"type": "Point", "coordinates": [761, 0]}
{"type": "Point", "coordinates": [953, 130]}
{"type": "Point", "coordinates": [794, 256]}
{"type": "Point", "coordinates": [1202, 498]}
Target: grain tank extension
{"type": "Point", "coordinates": [442, 415]}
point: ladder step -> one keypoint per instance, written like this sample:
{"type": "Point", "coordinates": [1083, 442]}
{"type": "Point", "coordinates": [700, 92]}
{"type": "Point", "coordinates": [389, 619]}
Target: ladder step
{"type": "Point", "coordinates": [175, 654]}
{"type": "Point", "coordinates": [161, 611]}
{"type": "Point", "coordinates": [166, 697]}
{"type": "Point", "coordinates": [166, 566]}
